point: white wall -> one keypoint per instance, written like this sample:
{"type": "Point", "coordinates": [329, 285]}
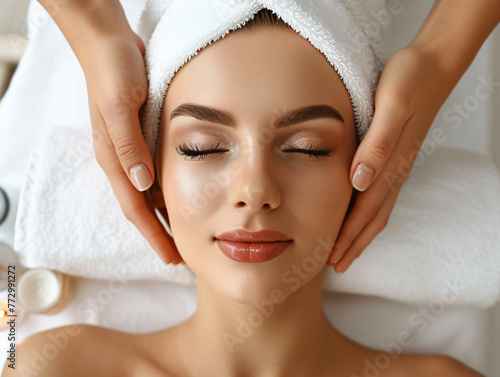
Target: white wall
{"type": "Point", "coordinates": [13, 16]}
{"type": "Point", "coordinates": [476, 131]}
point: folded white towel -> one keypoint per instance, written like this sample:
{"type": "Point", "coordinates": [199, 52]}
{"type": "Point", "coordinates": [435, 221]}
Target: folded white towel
{"type": "Point", "coordinates": [70, 220]}
{"type": "Point", "coordinates": [174, 31]}
{"type": "Point", "coordinates": [440, 247]}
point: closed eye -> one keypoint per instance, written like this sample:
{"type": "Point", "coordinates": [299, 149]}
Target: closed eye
{"type": "Point", "coordinates": [312, 150]}
{"type": "Point", "coordinates": [196, 152]}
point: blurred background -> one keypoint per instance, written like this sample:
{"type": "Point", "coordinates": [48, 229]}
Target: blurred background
{"type": "Point", "coordinates": [13, 38]}
{"type": "Point", "coordinates": [478, 131]}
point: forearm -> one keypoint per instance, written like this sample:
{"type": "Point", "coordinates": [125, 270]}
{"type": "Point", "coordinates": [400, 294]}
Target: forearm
{"type": "Point", "coordinates": [85, 21]}
{"type": "Point", "coordinates": [455, 30]}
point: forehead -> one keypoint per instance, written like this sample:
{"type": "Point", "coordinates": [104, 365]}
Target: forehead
{"type": "Point", "coordinates": [262, 71]}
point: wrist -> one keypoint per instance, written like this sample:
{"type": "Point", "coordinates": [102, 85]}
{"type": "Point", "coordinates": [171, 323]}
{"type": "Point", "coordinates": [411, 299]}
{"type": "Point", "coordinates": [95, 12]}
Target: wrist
{"type": "Point", "coordinates": [86, 22]}
{"type": "Point", "coordinates": [433, 72]}
{"type": "Point", "coordinates": [451, 62]}
{"type": "Point", "coordinates": [454, 31]}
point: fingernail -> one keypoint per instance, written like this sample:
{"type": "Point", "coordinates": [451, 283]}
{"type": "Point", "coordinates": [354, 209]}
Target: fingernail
{"type": "Point", "coordinates": [345, 268]}
{"type": "Point", "coordinates": [142, 178]}
{"type": "Point", "coordinates": [336, 259]}
{"type": "Point", "coordinates": [362, 176]}
{"type": "Point", "coordinates": [335, 250]}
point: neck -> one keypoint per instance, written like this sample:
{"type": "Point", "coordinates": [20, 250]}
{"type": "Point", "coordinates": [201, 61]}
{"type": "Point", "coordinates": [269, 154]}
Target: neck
{"type": "Point", "coordinates": [290, 337]}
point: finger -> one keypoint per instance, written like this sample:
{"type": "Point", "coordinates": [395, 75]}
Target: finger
{"type": "Point", "coordinates": [372, 229]}
{"type": "Point", "coordinates": [122, 123]}
{"type": "Point", "coordinates": [368, 203]}
{"type": "Point", "coordinates": [132, 203]}
{"type": "Point", "coordinates": [174, 257]}
{"type": "Point", "coordinates": [164, 213]}
{"type": "Point", "coordinates": [139, 211]}
{"type": "Point", "coordinates": [377, 146]}
{"type": "Point", "coordinates": [364, 210]}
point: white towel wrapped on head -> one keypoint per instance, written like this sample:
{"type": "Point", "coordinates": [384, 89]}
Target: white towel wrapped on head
{"type": "Point", "coordinates": [174, 31]}
{"type": "Point", "coordinates": [441, 242]}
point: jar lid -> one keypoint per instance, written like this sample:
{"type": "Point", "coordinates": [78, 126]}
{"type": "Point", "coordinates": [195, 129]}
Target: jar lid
{"type": "Point", "coordinates": [39, 289]}
{"type": "Point", "coordinates": [4, 205]}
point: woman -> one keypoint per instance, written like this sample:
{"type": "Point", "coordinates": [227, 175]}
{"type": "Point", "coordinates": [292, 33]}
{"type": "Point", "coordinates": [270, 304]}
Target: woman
{"type": "Point", "coordinates": [270, 132]}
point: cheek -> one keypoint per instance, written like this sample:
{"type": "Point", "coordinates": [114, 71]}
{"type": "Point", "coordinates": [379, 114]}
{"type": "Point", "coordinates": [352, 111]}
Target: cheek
{"type": "Point", "coordinates": [192, 194]}
{"type": "Point", "coordinates": [321, 202]}
{"type": "Point", "coordinates": [321, 198]}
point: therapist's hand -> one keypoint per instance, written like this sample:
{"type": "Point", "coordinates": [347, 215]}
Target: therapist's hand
{"type": "Point", "coordinates": [112, 59]}
{"type": "Point", "coordinates": [414, 84]}
{"type": "Point", "coordinates": [412, 88]}
{"type": "Point", "coordinates": [117, 87]}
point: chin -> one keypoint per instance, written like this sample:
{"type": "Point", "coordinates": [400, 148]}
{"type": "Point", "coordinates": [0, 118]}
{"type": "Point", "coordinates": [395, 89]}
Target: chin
{"type": "Point", "coordinates": [256, 283]}
{"type": "Point", "coordinates": [255, 295]}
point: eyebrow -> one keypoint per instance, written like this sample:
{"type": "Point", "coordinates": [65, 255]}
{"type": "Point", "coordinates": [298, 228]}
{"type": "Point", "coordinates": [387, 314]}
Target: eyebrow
{"type": "Point", "coordinates": [213, 115]}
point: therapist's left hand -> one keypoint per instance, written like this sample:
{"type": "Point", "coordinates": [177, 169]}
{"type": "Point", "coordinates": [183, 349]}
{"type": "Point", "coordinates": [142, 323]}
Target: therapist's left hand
{"type": "Point", "coordinates": [411, 90]}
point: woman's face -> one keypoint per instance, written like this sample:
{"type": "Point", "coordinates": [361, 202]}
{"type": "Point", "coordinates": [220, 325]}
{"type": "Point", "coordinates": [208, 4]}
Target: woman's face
{"type": "Point", "coordinates": [260, 176]}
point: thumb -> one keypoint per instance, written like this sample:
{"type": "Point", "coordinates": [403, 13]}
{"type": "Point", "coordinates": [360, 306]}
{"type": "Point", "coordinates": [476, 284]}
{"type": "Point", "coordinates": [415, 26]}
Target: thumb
{"type": "Point", "coordinates": [377, 146]}
{"type": "Point", "coordinates": [131, 149]}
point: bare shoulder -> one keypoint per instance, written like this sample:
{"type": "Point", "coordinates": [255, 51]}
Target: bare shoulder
{"type": "Point", "coordinates": [434, 365]}
{"type": "Point", "coordinates": [442, 365]}
{"type": "Point", "coordinates": [72, 350]}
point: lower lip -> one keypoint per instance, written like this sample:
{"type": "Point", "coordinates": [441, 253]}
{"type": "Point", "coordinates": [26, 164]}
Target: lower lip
{"type": "Point", "coordinates": [252, 252]}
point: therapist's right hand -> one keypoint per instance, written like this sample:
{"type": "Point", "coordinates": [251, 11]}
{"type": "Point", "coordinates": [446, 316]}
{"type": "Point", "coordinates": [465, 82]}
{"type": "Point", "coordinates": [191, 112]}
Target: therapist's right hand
{"type": "Point", "coordinates": [117, 87]}
{"type": "Point", "coordinates": [112, 58]}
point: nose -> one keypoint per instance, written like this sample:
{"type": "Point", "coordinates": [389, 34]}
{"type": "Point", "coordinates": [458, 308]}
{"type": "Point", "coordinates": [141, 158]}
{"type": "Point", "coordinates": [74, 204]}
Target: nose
{"type": "Point", "coordinates": [254, 186]}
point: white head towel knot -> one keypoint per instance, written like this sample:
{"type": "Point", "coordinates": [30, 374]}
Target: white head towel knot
{"type": "Point", "coordinates": [347, 32]}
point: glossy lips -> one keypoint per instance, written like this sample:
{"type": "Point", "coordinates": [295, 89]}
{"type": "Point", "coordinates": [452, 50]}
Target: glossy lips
{"type": "Point", "coordinates": [252, 247]}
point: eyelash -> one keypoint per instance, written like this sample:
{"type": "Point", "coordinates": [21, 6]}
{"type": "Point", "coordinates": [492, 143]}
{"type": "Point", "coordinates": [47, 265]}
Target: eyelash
{"type": "Point", "coordinates": [197, 153]}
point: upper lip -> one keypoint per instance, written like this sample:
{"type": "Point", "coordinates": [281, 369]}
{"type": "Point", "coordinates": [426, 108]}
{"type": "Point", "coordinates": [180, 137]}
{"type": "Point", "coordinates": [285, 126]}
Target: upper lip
{"type": "Point", "coordinates": [264, 235]}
